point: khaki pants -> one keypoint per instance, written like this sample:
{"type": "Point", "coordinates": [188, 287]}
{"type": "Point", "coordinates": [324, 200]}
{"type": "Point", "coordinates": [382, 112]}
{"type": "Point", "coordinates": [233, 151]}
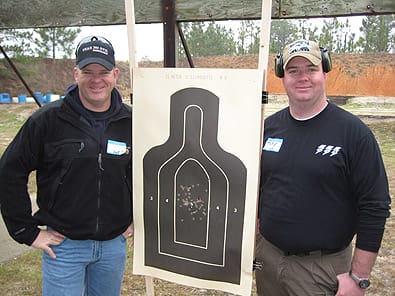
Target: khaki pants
{"type": "Point", "coordinates": [298, 276]}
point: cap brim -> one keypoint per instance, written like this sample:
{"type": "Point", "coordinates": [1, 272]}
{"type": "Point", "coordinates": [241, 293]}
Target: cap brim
{"type": "Point", "coordinates": [314, 60]}
{"type": "Point", "coordinates": [87, 61]}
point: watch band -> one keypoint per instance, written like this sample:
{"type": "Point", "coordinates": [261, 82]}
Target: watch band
{"type": "Point", "coordinates": [363, 283]}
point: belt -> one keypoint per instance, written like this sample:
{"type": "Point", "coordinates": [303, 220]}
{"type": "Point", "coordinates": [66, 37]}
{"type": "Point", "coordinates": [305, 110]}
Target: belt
{"type": "Point", "coordinates": [320, 252]}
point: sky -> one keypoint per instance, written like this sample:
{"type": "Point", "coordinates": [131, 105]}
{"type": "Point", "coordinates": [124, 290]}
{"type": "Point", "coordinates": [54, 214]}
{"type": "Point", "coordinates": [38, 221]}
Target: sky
{"type": "Point", "coordinates": [149, 37]}
{"type": "Point", "coordinates": [149, 40]}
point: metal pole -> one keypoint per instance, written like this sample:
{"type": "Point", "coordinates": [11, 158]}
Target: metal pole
{"type": "Point", "coordinates": [20, 76]}
{"type": "Point", "coordinates": [184, 44]}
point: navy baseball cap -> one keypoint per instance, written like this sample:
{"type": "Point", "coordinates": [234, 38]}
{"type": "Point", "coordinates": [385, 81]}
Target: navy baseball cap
{"type": "Point", "coordinates": [95, 50]}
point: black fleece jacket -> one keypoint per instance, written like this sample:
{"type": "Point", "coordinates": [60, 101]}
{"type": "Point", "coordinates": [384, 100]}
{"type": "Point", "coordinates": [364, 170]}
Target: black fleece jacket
{"type": "Point", "coordinates": [83, 171]}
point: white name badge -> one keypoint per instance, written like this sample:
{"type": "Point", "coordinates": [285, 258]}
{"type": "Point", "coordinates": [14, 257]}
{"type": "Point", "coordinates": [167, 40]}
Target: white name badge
{"type": "Point", "coordinates": [116, 148]}
{"type": "Point", "coordinates": [273, 144]}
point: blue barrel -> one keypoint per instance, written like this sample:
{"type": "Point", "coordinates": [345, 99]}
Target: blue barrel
{"type": "Point", "coordinates": [39, 96]}
{"type": "Point", "coordinates": [22, 98]}
{"type": "Point", "coordinates": [5, 98]}
{"type": "Point", "coordinates": [47, 98]}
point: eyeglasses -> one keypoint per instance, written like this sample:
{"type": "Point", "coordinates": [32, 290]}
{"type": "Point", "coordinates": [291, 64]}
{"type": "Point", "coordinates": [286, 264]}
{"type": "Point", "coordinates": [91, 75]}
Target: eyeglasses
{"type": "Point", "coordinates": [89, 39]}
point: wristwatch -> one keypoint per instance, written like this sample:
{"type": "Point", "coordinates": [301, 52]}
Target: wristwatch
{"type": "Point", "coordinates": [363, 283]}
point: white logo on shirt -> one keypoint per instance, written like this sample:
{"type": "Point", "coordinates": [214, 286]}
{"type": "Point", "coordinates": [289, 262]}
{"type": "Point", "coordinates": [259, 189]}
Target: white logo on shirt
{"type": "Point", "coordinates": [328, 150]}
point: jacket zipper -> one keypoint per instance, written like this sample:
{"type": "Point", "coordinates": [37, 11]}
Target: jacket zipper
{"type": "Point", "coordinates": [99, 160]}
{"type": "Point", "coordinates": [101, 169]}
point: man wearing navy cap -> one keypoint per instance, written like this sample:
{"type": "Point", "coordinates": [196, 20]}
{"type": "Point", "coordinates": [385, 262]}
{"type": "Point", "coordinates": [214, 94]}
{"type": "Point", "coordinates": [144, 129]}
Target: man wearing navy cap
{"type": "Point", "coordinates": [80, 148]}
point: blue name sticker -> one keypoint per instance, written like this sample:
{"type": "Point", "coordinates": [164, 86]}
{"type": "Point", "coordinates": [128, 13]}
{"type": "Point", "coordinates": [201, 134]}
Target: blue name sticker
{"type": "Point", "coordinates": [116, 148]}
{"type": "Point", "coordinates": [273, 144]}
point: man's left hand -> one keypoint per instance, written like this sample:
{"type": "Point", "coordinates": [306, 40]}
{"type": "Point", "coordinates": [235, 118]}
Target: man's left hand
{"type": "Point", "coordinates": [347, 286]}
{"type": "Point", "coordinates": [128, 234]}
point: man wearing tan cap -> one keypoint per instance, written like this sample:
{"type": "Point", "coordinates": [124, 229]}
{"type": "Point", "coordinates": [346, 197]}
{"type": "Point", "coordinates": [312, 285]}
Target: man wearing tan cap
{"type": "Point", "coordinates": [323, 181]}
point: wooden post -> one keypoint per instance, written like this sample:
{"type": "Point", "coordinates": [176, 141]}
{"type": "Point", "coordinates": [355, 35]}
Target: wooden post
{"type": "Point", "coordinates": [169, 33]}
{"type": "Point", "coordinates": [131, 24]}
{"type": "Point", "coordinates": [130, 27]}
{"type": "Point", "coordinates": [263, 61]}
{"type": "Point", "coordinates": [149, 286]}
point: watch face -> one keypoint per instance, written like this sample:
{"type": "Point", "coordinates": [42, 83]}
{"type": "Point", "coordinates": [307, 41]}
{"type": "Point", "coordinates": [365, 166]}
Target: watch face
{"type": "Point", "coordinates": [363, 284]}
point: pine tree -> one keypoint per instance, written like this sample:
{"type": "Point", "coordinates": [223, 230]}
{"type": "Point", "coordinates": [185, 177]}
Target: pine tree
{"type": "Point", "coordinates": [282, 32]}
{"type": "Point", "coordinates": [248, 38]}
{"type": "Point", "coordinates": [16, 42]}
{"type": "Point", "coordinates": [51, 41]}
{"type": "Point", "coordinates": [377, 34]}
{"type": "Point", "coordinates": [208, 39]}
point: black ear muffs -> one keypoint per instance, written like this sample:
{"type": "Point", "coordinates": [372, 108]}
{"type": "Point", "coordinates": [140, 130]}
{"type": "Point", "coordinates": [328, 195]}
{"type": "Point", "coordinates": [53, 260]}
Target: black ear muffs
{"type": "Point", "coordinates": [326, 60]}
{"type": "Point", "coordinates": [278, 65]}
{"type": "Point", "coordinates": [325, 57]}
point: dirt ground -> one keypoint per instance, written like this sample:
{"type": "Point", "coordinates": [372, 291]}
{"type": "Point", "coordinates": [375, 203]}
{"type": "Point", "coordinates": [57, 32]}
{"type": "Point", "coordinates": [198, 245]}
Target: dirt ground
{"type": "Point", "coordinates": [383, 272]}
{"type": "Point", "coordinates": [352, 74]}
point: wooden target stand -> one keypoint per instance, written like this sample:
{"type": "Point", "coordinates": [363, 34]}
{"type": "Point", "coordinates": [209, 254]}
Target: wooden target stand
{"type": "Point", "coordinates": [170, 62]}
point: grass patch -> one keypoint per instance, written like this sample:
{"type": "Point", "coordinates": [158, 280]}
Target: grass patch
{"type": "Point", "coordinates": [377, 106]}
{"type": "Point", "coordinates": [22, 276]}
{"type": "Point", "coordinates": [384, 132]}
{"type": "Point", "coordinates": [12, 116]}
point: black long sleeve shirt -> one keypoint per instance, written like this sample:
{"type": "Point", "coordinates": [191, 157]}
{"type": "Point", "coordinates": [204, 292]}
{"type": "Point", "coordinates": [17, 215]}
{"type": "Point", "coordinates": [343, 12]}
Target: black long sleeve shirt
{"type": "Point", "coordinates": [323, 181]}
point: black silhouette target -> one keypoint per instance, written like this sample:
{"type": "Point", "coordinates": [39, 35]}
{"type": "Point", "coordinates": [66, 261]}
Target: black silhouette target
{"type": "Point", "coordinates": [194, 195]}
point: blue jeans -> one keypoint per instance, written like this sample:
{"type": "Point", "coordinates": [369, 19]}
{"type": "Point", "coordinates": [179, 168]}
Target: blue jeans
{"type": "Point", "coordinates": [85, 267]}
